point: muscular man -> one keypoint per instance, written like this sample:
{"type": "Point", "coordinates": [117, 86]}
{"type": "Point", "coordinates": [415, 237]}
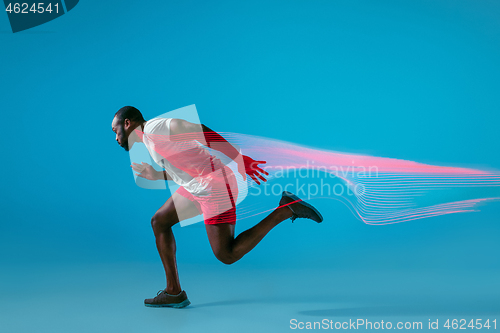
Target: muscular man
{"type": "Point", "coordinates": [207, 187]}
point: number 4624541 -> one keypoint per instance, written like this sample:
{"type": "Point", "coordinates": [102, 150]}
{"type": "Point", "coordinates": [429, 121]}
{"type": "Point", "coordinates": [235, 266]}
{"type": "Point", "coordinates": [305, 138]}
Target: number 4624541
{"type": "Point", "coordinates": [36, 8]}
{"type": "Point", "coordinates": [462, 324]}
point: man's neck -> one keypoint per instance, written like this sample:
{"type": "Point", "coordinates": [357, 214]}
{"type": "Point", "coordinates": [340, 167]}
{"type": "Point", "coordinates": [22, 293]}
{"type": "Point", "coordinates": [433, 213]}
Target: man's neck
{"type": "Point", "coordinates": [136, 137]}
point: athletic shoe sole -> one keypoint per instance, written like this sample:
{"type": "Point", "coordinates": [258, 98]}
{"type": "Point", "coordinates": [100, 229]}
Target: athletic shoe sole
{"type": "Point", "coordinates": [182, 304]}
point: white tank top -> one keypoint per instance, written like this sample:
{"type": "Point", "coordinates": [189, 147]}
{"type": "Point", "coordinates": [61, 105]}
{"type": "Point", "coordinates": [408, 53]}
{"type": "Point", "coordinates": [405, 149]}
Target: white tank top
{"type": "Point", "coordinates": [188, 163]}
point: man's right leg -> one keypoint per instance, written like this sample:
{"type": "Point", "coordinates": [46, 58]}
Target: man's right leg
{"type": "Point", "coordinates": [175, 209]}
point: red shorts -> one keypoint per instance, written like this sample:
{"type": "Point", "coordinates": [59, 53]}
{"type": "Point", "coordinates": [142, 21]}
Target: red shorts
{"type": "Point", "coordinates": [219, 205]}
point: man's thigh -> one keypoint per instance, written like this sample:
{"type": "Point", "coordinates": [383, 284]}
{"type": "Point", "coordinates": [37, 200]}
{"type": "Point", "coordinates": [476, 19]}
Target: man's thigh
{"type": "Point", "coordinates": [221, 237]}
{"type": "Point", "coordinates": [177, 208]}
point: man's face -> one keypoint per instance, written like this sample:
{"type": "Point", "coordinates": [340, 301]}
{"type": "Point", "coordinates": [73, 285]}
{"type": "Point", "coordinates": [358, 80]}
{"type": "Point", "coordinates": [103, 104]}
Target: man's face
{"type": "Point", "coordinates": [121, 134]}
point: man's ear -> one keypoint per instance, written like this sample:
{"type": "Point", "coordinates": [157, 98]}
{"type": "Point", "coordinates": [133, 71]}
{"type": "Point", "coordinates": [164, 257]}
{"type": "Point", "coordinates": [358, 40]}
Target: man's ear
{"type": "Point", "coordinates": [126, 124]}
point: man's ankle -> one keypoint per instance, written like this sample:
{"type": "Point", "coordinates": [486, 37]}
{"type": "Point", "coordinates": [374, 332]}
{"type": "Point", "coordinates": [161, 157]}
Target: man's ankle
{"type": "Point", "coordinates": [173, 291]}
{"type": "Point", "coordinates": [284, 212]}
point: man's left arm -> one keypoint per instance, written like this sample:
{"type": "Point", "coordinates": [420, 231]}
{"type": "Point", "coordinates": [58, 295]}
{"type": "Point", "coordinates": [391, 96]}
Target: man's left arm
{"type": "Point", "coordinates": [183, 130]}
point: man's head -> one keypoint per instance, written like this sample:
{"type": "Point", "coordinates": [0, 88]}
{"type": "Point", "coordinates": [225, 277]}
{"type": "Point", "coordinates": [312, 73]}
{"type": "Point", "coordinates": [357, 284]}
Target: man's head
{"type": "Point", "coordinates": [124, 123]}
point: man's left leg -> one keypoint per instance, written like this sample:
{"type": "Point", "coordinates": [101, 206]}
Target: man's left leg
{"type": "Point", "coordinates": [229, 249]}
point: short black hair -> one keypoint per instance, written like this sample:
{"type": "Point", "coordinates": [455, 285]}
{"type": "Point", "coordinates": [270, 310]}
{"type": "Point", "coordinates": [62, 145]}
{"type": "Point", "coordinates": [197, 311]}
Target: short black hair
{"type": "Point", "coordinates": [131, 113]}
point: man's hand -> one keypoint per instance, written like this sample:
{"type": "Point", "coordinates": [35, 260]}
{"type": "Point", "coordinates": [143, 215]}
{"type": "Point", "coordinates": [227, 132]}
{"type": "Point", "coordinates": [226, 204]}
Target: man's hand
{"type": "Point", "coordinates": [250, 167]}
{"type": "Point", "coordinates": [146, 171]}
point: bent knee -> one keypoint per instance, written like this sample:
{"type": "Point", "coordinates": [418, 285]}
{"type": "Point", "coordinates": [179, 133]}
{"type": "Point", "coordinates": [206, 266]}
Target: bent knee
{"type": "Point", "coordinates": [225, 257]}
{"type": "Point", "coordinates": [155, 222]}
{"type": "Point", "coordinates": [161, 222]}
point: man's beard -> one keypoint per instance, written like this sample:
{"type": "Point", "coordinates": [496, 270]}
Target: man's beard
{"type": "Point", "coordinates": [124, 143]}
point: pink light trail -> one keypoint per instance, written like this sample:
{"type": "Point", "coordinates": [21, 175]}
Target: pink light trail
{"type": "Point", "coordinates": [401, 190]}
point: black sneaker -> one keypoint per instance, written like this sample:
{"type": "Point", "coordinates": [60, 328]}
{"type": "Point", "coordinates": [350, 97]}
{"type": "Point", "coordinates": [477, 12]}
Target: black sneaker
{"type": "Point", "coordinates": [163, 299]}
{"type": "Point", "coordinates": [300, 208]}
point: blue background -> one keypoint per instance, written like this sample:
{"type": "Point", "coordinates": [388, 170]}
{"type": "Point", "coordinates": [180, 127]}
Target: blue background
{"type": "Point", "coordinates": [416, 80]}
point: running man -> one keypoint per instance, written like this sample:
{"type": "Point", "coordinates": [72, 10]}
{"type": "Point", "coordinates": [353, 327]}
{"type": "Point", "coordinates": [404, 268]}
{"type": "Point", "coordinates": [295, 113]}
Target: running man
{"type": "Point", "coordinates": [206, 187]}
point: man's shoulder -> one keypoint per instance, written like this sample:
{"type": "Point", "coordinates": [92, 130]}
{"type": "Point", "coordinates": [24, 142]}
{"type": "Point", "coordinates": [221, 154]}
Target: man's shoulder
{"type": "Point", "coordinates": [158, 126]}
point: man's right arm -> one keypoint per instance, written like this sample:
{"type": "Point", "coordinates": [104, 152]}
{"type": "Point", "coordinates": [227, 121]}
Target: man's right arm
{"type": "Point", "coordinates": [164, 175]}
{"type": "Point", "coordinates": [146, 171]}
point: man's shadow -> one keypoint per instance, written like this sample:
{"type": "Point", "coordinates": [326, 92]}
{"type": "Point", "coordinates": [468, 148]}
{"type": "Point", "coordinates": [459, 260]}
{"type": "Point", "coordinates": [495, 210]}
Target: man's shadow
{"type": "Point", "coordinates": [422, 307]}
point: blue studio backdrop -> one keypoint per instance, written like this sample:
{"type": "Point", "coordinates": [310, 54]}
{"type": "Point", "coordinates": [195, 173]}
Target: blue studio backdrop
{"type": "Point", "coordinates": [415, 80]}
